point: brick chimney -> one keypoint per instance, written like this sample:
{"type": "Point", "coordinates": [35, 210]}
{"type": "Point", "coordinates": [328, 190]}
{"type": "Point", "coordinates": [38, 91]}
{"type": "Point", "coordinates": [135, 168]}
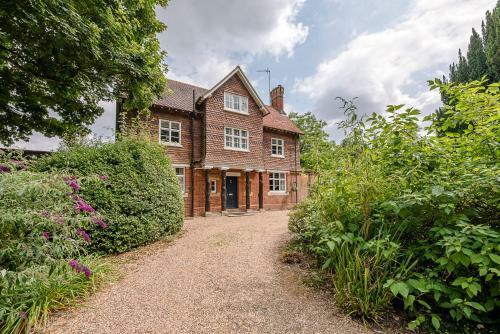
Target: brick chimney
{"type": "Point", "coordinates": [277, 98]}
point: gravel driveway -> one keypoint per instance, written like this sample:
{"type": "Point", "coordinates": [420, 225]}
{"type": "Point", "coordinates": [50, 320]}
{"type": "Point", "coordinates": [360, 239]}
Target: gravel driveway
{"type": "Point", "coordinates": [223, 275]}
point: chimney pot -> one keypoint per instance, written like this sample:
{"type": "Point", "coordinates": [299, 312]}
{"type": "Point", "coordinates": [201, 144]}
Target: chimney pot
{"type": "Point", "coordinates": [277, 98]}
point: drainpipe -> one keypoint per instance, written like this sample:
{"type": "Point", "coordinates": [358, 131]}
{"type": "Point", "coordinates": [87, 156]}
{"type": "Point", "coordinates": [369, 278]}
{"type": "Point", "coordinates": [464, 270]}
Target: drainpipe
{"type": "Point", "coordinates": [191, 158]}
{"type": "Point", "coordinates": [296, 178]}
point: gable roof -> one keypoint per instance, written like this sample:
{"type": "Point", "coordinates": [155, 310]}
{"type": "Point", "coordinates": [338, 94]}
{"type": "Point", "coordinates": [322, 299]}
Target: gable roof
{"type": "Point", "coordinates": [238, 71]}
{"type": "Point", "coordinates": [180, 96]}
{"type": "Point", "coordinates": [279, 121]}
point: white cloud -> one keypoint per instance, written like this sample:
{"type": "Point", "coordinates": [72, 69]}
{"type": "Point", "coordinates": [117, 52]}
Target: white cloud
{"type": "Point", "coordinates": [207, 39]}
{"type": "Point", "coordinates": [389, 66]}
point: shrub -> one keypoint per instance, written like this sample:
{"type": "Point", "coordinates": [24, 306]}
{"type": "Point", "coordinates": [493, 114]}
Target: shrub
{"type": "Point", "coordinates": [42, 248]}
{"type": "Point", "coordinates": [412, 220]}
{"type": "Point", "coordinates": [131, 184]}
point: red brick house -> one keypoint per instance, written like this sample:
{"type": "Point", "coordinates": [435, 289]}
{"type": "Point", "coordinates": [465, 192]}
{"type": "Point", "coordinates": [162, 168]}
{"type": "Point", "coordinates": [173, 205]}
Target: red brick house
{"type": "Point", "coordinates": [230, 150]}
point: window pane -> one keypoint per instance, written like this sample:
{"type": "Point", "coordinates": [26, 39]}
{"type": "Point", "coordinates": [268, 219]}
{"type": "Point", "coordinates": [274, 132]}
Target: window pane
{"type": "Point", "coordinates": [244, 104]}
{"type": "Point", "coordinates": [244, 133]}
{"type": "Point", "coordinates": [273, 141]}
{"type": "Point", "coordinates": [279, 150]}
{"type": "Point", "coordinates": [174, 126]}
{"type": "Point", "coordinates": [174, 137]}
{"type": "Point", "coordinates": [236, 132]}
{"type": "Point", "coordinates": [164, 135]}
{"type": "Point", "coordinates": [228, 131]}
{"type": "Point", "coordinates": [236, 102]}
{"type": "Point", "coordinates": [227, 100]}
{"type": "Point", "coordinates": [244, 143]}
{"type": "Point", "coordinates": [236, 142]}
{"type": "Point", "coordinates": [229, 141]}
{"type": "Point", "coordinates": [273, 150]}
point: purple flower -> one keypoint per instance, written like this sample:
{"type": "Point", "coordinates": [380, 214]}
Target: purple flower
{"type": "Point", "coordinates": [83, 233]}
{"type": "Point", "coordinates": [74, 185]}
{"type": "Point", "coordinates": [86, 270]}
{"type": "Point", "coordinates": [4, 169]}
{"type": "Point", "coordinates": [23, 315]}
{"type": "Point", "coordinates": [73, 264]}
{"type": "Point", "coordinates": [99, 221]}
{"type": "Point", "coordinates": [46, 235]}
{"type": "Point", "coordinates": [81, 205]}
{"type": "Point", "coordinates": [80, 268]}
{"type": "Point", "coordinates": [103, 177]}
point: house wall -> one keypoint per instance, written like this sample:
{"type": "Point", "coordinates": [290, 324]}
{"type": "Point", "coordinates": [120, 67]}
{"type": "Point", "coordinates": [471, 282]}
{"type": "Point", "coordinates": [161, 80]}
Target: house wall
{"type": "Point", "coordinates": [217, 118]}
{"type": "Point", "coordinates": [292, 155]}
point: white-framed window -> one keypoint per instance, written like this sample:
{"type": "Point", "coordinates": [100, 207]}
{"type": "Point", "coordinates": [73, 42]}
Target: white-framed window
{"type": "Point", "coordinates": [181, 177]}
{"type": "Point", "coordinates": [236, 103]}
{"type": "Point", "coordinates": [213, 186]}
{"type": "Point", "coordinates": [277, 147]}
{"type": "Point", "coordinates": [236, 139]}
{"type": "Point", "coordinates": [170, 132]}
{"type": "Point", "coordinates": [277, 181]}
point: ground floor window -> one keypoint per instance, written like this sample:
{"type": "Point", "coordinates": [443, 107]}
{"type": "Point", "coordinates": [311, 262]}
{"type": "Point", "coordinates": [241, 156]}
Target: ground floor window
{"type": "Point", "coordinates": [277, 181]}
{"type": "Point", "coordinates": [179, 171]}
{"type": "Point", "coordinates": [213, 186]}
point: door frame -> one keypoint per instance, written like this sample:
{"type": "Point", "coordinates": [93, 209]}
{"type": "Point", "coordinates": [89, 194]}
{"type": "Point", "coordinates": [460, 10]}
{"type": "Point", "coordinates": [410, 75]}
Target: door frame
{"type": "Point", "coordinates": [235, 194]}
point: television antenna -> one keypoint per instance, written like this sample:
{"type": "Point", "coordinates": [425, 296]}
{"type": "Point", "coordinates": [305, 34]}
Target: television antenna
{"type": "Point", "coordinates": [268, 71]}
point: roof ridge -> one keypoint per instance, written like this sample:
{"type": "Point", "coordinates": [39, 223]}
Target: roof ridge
{"type": "Point", "coordinates": [185, 83]}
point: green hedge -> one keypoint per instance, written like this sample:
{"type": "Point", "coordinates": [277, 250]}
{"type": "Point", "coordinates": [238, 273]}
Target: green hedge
{"type": "Point", "coordinates": [131, 184]}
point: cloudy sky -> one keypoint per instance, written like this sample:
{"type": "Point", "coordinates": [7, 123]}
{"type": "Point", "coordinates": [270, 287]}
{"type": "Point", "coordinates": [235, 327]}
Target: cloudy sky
{"type": "Point", "coordinates": [379, 51]}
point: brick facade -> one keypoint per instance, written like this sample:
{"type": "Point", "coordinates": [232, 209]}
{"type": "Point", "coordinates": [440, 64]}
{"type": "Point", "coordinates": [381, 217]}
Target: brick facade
{"type": "Point", "coordinates": [202, 150]}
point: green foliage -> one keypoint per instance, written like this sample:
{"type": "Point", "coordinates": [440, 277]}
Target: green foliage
{"type": "Point", "coordinates": [131, 184]}
{"type": "Point", "coordinates": [59, 58]}
{"type": "Point", "coordinates": [27, 297]}
{"type": "Point", "coordinates": [41, 233]}
{"type": "Point", "coordinates": [483, 54]}
{"type": "Point", "coordinates": [315, 147]}
{"type": "Point", "coordinates": [410, 218]}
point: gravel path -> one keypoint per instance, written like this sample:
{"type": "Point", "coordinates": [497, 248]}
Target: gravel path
{"type": "Point", "coordinates": [223, 275]}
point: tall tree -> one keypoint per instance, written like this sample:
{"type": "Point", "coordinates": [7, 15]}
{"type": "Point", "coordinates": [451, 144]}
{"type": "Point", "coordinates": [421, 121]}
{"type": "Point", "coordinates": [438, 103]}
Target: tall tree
{"type": "Point", "coordinates": [59, 58]}
{"type": "Point", "coordinates": [315, 146]}
{"type": "Point", "coordinates": [476, 58]}
{"type": "Point", "coordinates": [483, 53]}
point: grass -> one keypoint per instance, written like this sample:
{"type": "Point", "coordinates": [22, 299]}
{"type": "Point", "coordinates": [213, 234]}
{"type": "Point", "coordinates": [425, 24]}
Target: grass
{"type": "Point", "coordinates": [28, 297]}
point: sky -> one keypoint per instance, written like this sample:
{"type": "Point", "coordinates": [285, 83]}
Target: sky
{"type": "Point", "coordinates": [381, 52]}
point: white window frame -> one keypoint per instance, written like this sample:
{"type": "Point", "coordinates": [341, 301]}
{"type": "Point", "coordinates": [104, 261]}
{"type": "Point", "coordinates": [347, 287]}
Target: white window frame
{"type": "Point", "coordinates": [235, 137]}
{"type": "Point", "coordinates": [213, 186]}
{"type": "Point", "coordinates": [179, 177]}
{"type": "Point", "coordinates": [281, 144]}
{"type": "Point", "coordinates": [281, 177]}
{"type": "Point", "coordinates": [242, 103]}
{"type": "Point", "coordinates": [167, 125]}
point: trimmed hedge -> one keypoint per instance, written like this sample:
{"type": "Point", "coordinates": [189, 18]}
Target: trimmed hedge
{"type": "Point", "coordinates": [131, 184]}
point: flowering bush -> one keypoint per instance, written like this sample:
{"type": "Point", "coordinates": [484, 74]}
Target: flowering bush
{"type": "Point", "coordinates": [132, 186]}
{"type": "Point", "coordinates": [42, 230]}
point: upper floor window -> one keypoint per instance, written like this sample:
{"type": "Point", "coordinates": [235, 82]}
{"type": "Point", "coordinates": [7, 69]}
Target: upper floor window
{"type": "Point", "coordinates": [236, 103]}
{"type": "Point", "coordinates": [277, 147]}
{"type": "Point", "coordinates": [179, 172]}
{"type": "Point", "coordinates": [170, 132]}
{"type": "Point", "coordinates": [236, 139]}
{"type": "Point", "coordinates": [277, 181]}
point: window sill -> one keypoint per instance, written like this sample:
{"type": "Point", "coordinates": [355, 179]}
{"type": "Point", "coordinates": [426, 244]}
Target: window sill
{"type": "Point", "coordinates": [185, 195]}
{"type": "Point", "coordinates": [236, 111]}
{"type": "Point", "coordinates": [236, 149]}
{"type": "Point", "coordinates": [171, 144]}
{"type": "Point", "coordinates": [278, 156]}
{"type": "Point", "coordinates": [277, 193]}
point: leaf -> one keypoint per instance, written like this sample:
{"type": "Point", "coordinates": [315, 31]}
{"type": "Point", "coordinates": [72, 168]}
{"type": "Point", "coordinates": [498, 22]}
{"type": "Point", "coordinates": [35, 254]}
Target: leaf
{"type": "Point", "coordinates": [495, 258]}
{"type": "Point", "coordinates": [327, 263]}
{"type": "Point", "coordinates": [435, 322]}
{"type": "Point", "coordinates": [331, 245]}
{"type": "Point", "coordinates": [409, 301]}
{"type": "Point", "coordinates": [400, 288]}
{"type": "Point", "coordinates": [475, 305]}
{"type": "Point", "coordinates": [437, 190]}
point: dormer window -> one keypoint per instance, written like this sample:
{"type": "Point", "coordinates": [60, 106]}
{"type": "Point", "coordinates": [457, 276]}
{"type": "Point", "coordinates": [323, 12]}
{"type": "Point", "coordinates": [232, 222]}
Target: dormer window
{"type": "Point", "coordinates": [235, 103]}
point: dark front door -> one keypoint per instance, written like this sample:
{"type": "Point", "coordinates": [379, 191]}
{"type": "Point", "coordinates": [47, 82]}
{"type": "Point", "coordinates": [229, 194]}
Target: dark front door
{"type": "Point", "coordinates": [232, 192]}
